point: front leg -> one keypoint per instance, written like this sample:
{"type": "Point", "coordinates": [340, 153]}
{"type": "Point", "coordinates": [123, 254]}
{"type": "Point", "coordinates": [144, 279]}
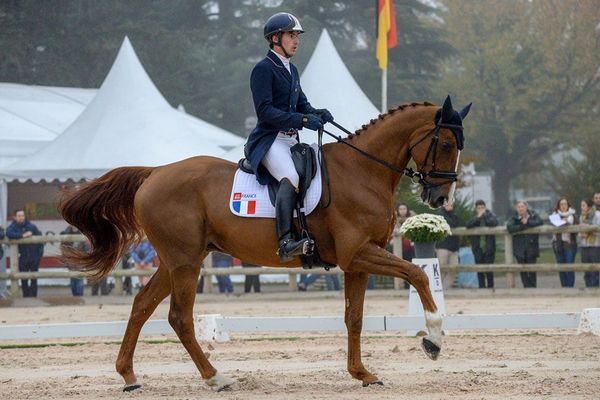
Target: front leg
{"type": "Point", "coordinates": [372, 259]}
{"type": "Point", "coordinates": [355, 285]}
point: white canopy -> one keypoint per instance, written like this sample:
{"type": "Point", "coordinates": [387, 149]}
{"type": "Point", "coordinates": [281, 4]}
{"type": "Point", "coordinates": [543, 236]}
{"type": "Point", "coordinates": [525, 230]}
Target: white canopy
{"type": "Point", "coordinates": [327, 83]}
{"type": "Point", "coordinates": [127, 123]}
{"type": "Point", "coordinates": [31, 116]}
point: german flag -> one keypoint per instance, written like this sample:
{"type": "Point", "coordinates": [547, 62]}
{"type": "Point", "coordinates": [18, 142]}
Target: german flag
{"type": "Point", "coordinates": [387, 37]}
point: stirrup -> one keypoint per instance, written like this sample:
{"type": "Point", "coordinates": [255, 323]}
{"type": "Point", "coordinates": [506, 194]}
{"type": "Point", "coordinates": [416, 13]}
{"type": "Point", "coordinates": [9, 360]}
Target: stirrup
{"type": "Point", "coordinates": [303, 246]}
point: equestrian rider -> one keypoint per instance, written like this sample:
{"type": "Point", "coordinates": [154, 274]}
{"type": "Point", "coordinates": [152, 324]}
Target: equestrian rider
{"type": "Point", "coordinates": [282, 109]}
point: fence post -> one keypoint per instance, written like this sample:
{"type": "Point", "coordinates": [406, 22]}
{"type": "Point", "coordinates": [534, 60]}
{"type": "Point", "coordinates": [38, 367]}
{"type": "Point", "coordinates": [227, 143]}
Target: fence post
{"type": "Point", "coordinates": [508, 259]}
{"type": "Point", "coordinates": [397, 244]}
{"type": "Point", "coordinates": [14, 268]}
{"type": "Point", "coordinates": [208, 286]}
{"type": "Point", "coordinates": [293, 281]}
{"type": "Point", "coordinates": [119, 279]}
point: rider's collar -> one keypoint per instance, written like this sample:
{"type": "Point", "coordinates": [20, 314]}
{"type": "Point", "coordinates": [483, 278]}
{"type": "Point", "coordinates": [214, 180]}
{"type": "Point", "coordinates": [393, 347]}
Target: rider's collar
{"type": "Point", "coordinates": [284, 60]}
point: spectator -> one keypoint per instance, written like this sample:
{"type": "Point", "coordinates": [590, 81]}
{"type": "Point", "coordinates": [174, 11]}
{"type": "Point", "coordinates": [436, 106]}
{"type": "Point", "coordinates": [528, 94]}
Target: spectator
{"type": "Point", "coordinates": [484, 247]}
{"type": "Point", "coordinates": [447, 249]}
{"type": "Point", "coordinates": [200, 285]}
{"type": "Point", "coordinates": [408, 250]}
{"type": "Point", "coordinates": [143, 255]}
{"type": "Point", "coordinates": [590, 242]}
{"type": "Point", "coordinates": [3, 293]}
{"type": "Point", "coordinates": [30, 255]}
{"type": "Point", "coordinates": [222, 260]}
{"type": "Point", "coordinates": [251, 281]}
{"type": "Point", "coordinates": [564, 245]}
{"type": "Point", "coordinates": [127, 263]}
{"type": "Point", "coordinates": [101, 287]}
{"type": "Point", "coordinates": [1, 237]}
{"type": "Point", "coordinates": [596, 200]}
{"type": "Point", "coordinates": [77, 284]}
{"type": "Point", "coordinates": [332, 282]}
{"type": "Point", "coordinates": [526, 247]}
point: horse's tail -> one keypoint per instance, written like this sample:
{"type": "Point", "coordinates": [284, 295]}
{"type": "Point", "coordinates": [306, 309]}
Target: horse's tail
{"type": "Point", "coordinates": [103, 210]}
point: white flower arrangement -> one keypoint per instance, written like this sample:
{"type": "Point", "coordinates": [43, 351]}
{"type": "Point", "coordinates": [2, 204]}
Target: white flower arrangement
{"type": "Point", "coordinates": [423, 228]}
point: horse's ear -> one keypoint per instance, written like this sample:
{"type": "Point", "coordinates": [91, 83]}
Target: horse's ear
{"type": "Point", "coordinates": [463, 113]}
{"type": "Point", "coordinates": [447, 110]}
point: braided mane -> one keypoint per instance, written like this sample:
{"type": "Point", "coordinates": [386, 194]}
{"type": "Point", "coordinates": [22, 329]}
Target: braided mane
{"type": "Point", "coordinates": [374, 121]}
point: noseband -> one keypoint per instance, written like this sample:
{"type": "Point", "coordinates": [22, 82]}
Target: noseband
{"type": "Point", "coordinates": [421, 177]}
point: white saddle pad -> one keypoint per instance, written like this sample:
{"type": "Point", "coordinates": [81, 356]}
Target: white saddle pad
{"type": "Point", "coordinates": [251, 199]}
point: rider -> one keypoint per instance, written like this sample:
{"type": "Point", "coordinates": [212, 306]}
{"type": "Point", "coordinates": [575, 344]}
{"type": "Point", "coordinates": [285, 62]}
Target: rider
{"type": "Point", "coordinates": [282, 109]}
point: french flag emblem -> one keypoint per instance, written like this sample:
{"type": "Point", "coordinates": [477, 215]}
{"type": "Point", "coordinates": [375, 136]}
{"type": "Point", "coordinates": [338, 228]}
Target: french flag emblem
{"type": "Point", "coordinates": [244, 207]}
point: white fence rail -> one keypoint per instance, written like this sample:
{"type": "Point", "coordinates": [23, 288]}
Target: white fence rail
{"type": "Point", "coordinates": [222, 326]}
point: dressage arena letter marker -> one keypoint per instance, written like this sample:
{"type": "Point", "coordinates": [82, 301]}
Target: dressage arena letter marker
{"type": "Point", "coordinates": [431, 266]}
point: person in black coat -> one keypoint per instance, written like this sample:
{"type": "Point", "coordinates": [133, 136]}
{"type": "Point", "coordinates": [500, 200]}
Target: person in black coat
{"type": "Point", "coordinates": [1, 237]}
{"type": "Point", "coordinates": [30, 255]}
{"type": "Point", "coordinates": [484, 248]}
{"type": "Point", "coordinates": [526, 248]}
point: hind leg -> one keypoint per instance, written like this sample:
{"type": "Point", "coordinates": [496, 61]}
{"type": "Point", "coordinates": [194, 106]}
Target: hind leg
{"type": "Point", "coordinates": [144, 305]}
{"type": "Point", "coordinates": [183, 293]}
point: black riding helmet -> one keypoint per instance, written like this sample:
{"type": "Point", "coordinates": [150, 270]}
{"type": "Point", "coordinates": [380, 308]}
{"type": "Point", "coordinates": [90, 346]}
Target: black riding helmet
{"type": "Point", "coordinates": [278, 24]}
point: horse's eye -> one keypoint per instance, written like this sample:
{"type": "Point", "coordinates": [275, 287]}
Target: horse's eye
{"type": "Point", "coordinates": [446, 146]}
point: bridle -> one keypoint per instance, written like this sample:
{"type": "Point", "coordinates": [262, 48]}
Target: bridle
{"type": "Point", "coordinates": [419, 176]}
{"type": "Point", "coordinates": [451, 176]}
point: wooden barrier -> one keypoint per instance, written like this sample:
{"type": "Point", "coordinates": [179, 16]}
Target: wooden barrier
{"type": "Point", "coordinates": [509, 267]}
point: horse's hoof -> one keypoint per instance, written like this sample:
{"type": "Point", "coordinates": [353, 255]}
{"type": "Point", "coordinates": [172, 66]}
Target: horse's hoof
{"type": "Point", "coordinates": [431, 349]}
{"type": "Point", "coordinates": [132, 387]}
{"type": "Point", "coordinates": [221, 383]}
{"type": "Point", "coordinates": [380, 383]}
{"type": "Point", "coordinates": [226, 388]}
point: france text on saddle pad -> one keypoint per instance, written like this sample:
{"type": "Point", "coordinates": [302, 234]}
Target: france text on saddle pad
{"type": "Point", "coordinates": [251, 199]}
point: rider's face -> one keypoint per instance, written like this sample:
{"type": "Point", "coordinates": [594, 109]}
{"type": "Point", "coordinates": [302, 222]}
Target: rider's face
{"type": "Point", "coordinates": [290, 41]}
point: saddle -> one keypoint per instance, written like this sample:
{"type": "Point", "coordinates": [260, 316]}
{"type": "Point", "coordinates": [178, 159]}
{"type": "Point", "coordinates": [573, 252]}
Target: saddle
{"type": "Point", "coordinates": [305, 161]}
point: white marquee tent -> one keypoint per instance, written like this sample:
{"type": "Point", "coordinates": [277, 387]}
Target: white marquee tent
{"type": "Point", "coordinates": [128, 122]}
{"type": "Point", "coordinates": [32, 116]}
{"type": "Point", "coordinates": [327, 83]}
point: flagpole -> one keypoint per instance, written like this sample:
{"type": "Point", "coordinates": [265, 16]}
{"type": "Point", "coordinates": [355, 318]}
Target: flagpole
{"type": "Point", "coordinates": [384, 91]}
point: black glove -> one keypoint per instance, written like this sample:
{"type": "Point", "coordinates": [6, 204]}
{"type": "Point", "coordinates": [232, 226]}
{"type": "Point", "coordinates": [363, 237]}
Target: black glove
{"type": "Point", "coordinates": [312, 122]}
{"type": "Point", "coordinates": [325, 115]}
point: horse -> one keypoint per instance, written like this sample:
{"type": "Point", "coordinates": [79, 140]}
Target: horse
{"type": "Point", "coordinates": [183, 210]}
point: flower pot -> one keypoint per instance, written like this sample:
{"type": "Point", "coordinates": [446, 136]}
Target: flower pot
{"type": "Point", "coordinates": [424, 249]}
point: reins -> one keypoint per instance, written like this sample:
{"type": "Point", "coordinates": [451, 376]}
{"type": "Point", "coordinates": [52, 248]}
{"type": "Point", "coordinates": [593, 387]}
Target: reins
{"type": "Point", "coordinates": [411, 173]}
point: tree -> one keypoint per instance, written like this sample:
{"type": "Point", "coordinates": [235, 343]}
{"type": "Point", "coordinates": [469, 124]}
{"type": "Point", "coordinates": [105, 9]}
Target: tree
{"type": "Point", "coordinates": [200, 53]}
{"type": "Point", "coordinates": [576, 178]}
{"type": "Point", "coordinates": [531, 69]}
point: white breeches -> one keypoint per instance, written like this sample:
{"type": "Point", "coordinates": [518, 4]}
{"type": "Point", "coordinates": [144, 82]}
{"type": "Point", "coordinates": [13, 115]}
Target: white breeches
{"type": "Point", "coordinates": [278, 159]}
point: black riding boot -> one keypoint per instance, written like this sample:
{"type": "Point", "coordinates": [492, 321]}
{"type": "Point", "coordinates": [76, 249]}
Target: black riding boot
{"type": "Point", "coordinates": [284, 212]}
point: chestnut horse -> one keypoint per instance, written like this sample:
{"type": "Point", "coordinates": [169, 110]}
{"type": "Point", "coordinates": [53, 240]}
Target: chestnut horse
{"type": "Point", "coordinates": [183, 208]}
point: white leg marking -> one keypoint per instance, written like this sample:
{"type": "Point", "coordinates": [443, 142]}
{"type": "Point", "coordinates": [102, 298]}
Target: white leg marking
{"type": "Point", "coordinates": [219, 382]}
{"type": "Point", "coordinates": [433, 321]}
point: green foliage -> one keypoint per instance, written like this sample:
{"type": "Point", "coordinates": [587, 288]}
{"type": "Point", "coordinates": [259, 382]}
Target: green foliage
{"type": "Point", "coordinates": [200, 53]}
{"type": "Point", "coordinates": [531, 70]}
{"type": "Point", "coordinates": [577, 177]}
{"type": "Point", "coordinates": [408, 192]}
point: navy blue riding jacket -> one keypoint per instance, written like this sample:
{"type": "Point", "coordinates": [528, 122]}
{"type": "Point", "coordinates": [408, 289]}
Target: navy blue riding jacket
{"type": "Point", "coordinates": [280, 105]}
